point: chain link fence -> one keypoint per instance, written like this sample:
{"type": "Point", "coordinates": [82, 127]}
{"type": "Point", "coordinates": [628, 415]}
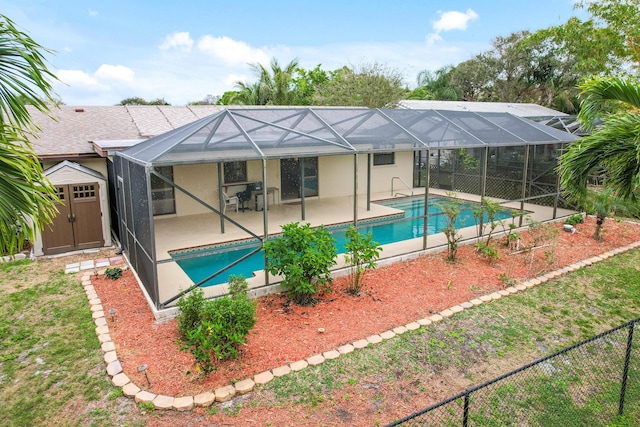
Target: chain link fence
{"type": "Point", "coordinates": [587, 384]}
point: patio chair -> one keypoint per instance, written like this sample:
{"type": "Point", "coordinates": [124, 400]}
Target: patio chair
{"type": "Point", "coordinates": [244, 197]}
{"type": "Point", "coordinates": [229, 201]}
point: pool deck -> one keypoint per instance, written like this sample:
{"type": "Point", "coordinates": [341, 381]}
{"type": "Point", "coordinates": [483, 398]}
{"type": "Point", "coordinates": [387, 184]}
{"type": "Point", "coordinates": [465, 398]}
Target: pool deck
{"type": "Point", "coordinates": [174, 233]}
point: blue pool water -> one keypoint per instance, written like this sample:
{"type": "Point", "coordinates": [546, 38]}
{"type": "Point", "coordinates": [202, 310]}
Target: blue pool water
{"type": "Point", "coordinates": [201, 263]}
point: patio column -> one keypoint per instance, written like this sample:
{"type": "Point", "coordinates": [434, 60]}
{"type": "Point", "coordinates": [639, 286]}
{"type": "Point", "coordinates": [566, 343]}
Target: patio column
{"type": "Point", "coordinates": [556, 200]}
{"type": "Point", "coordinates": [368, 181]}
{"type": "Point", "coordinates": [525, 173]}
{"type": "Point", "coordinates": [483, 189]}
{"type": "Point", "coordinates": [302, 211]}
{"type": "Point", "coordinates": [425, 225]}
{"type": "Point", "coordinates": [355, 191]}
{"type": "Point", "coordinates": [265, 216]}
{"type": "Point", "coordinates": [220, 198]}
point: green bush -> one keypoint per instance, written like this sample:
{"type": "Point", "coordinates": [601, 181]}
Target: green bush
{"type": "Point", "coordinates": [113, 273]}
{"type": "Point", "coordinates": [574, 219]}
{"type": "Point", "coordinates": [362, 253]}
{"type": "Point", "coordinates": [303, 255]}
{"type": "Point", "coordinates": [213, 330]}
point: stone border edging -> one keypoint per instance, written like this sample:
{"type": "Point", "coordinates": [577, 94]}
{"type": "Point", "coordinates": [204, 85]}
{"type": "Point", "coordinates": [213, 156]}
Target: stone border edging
{"type": "Point", "coordinates": [226, 393]}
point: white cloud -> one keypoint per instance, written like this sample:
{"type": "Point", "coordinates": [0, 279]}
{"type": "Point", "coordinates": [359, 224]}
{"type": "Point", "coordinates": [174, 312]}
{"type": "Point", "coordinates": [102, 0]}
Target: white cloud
{"type": "Point", "coordinates": [179, 40]}
{"type": "Point", "coordinates": [231, 79]}
{"type": "Point", "coordinates": [93, 12]}
{"type": "Point", "coordinates": [453, 20]}
{"type": "Point", "coordinates": [449, 21]}
{"type": "Point", "coordinates": [115, 72]}
{"type": "Point", "coordinates": [231, 52]}
{"type": "Point", "coordinates": [79, 78]}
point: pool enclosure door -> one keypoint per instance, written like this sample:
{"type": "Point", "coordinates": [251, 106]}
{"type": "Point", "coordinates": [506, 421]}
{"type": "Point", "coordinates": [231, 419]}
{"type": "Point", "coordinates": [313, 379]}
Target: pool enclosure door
{"type": "Point", "coordinates": [295, 171]}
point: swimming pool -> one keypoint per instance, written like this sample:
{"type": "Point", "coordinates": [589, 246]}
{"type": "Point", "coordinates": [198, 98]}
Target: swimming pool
{"type": "Point", "coordinates": [200, 263]}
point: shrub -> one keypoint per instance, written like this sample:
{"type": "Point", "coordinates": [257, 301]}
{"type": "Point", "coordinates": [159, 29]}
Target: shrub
{"type": "Point", "coordinates": [362, 253]}
{"type": "Point", "coordinates": [213, 330]}
{"type": "Point", "coordinates": [574, 219]}
{"type": "Point", "coordinates": [489, 251]}
{"type": "Point", "coordinates": [113, 273]}
{"type": "Point", "coordinates": [303, 255]}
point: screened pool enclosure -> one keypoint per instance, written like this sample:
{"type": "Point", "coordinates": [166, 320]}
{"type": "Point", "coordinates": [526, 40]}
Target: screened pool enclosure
{"type": "Point", "coordinates": [236, 176]}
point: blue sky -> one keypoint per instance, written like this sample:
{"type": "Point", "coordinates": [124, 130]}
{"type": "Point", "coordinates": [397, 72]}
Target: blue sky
{"type": "Point", "coordinates": [106, 51]}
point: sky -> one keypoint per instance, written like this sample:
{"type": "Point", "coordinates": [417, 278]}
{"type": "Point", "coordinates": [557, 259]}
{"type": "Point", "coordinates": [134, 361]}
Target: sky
{"type": "Point", "coordinates": [106, 51]}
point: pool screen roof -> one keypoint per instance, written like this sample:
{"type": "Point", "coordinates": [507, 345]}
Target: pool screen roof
{"type": "Point", "coordinates": [271, 133]}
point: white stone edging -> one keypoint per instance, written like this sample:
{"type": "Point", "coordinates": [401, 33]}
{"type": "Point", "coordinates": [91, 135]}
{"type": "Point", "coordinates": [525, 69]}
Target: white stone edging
{"type": "Point", "coordinates": [226, 393]}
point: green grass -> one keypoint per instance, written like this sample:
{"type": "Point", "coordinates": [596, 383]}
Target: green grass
{"type": "Point", "coordinates": [51, 367]}
{"type": "Point", "coordinates": [52, 372]}
{"type": "Point", "coordinates": [509, 332]}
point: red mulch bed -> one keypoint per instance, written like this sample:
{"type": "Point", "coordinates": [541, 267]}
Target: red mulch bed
{"type": "Point", "coordinates": [393, 295]}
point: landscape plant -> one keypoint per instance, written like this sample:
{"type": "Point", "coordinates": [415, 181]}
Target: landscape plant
{"type": "Point", "coordinates": [450, 207]}
{"type": "Point", "coordinates": [213, 330]}
{"type": "Point", "coordinates": [362, 252]}
{"type": "Point", "coordinates": [113, 273]}
{"type": "Point", "coordinates": [303, 256]}
{"type": "Point", "coordinates": [543, 235]}
{"type": "Point", "coordinates": [600, 204]}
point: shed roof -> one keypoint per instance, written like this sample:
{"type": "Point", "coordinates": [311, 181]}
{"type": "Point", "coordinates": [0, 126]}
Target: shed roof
{"type": "Point", "coordinates": [264, 133]}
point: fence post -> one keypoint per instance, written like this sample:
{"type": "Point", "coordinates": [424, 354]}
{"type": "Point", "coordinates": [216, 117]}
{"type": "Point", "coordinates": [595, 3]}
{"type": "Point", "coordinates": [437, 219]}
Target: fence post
{"type": "Point", "coordinates": [625, 372]}
{"type": "Point", "coordinates": [465, 413]}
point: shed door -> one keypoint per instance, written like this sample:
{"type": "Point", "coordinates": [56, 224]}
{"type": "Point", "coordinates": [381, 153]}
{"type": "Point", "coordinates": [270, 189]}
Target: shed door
{"type": "Point", "coordinates": [79, 222]}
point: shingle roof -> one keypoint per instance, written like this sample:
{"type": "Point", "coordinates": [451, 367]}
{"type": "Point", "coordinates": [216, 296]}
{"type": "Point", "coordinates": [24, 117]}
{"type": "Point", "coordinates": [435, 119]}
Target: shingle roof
{"type": "Point", "coordinates": [75, 127]}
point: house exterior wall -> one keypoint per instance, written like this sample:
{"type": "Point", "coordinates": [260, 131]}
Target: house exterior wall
{"type": "Point", "coordinates": [335, 174]}
{"type": "Point", "coordinates": [335, 179]}
{"type": "Point", "coordinates": [202, 181]}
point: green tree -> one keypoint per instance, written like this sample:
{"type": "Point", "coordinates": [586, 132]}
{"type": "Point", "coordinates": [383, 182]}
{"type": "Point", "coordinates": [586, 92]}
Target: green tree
{"type": "Point", "coordinates": [519, 68]}
{"type": "Point", "coordinates": [368, 85]}
{"type": "Point", "coordinates": [474, 78]}
{"type": "Point", "coordinates": [614, 145]}
{"type": "Point", "coordinates": [606, 43]}
{"type": "Point", "coordinates": [27, 197]}
{"type": "Point", "coordinates": [437, 85]}
{"type": "Point", "coordinates": [274, 87]}
{"type": "Point", "coordinates": [136, 100]}
{"type": "Point", "coordinates": [308, 82]}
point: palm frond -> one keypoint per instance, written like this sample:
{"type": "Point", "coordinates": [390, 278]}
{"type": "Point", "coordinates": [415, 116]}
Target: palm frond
{"type": "Point", "coordinates": [596, 91]}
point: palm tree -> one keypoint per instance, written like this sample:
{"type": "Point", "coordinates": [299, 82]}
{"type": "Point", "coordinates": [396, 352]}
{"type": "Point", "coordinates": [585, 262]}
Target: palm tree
{"type": "Point", "coordinates": [614, 145]}
{"type": "Point", "coordinates": [272, 88]}
{"type": "Point", "coordinates": [437, 85]}
{"type": "Point", "coordinates": [27, 197]}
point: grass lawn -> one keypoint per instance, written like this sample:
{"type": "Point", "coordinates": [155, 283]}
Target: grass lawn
{"type": "Point", "coordinates": [52, 372]}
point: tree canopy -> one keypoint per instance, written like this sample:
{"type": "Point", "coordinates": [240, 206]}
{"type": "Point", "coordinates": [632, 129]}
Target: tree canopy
{"type": "Point", "coordinates": [368, 85]}
{"type": "Point", "coordinates": [136, 100]}
{"type": "Point", "coordinates": [608, 43]}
